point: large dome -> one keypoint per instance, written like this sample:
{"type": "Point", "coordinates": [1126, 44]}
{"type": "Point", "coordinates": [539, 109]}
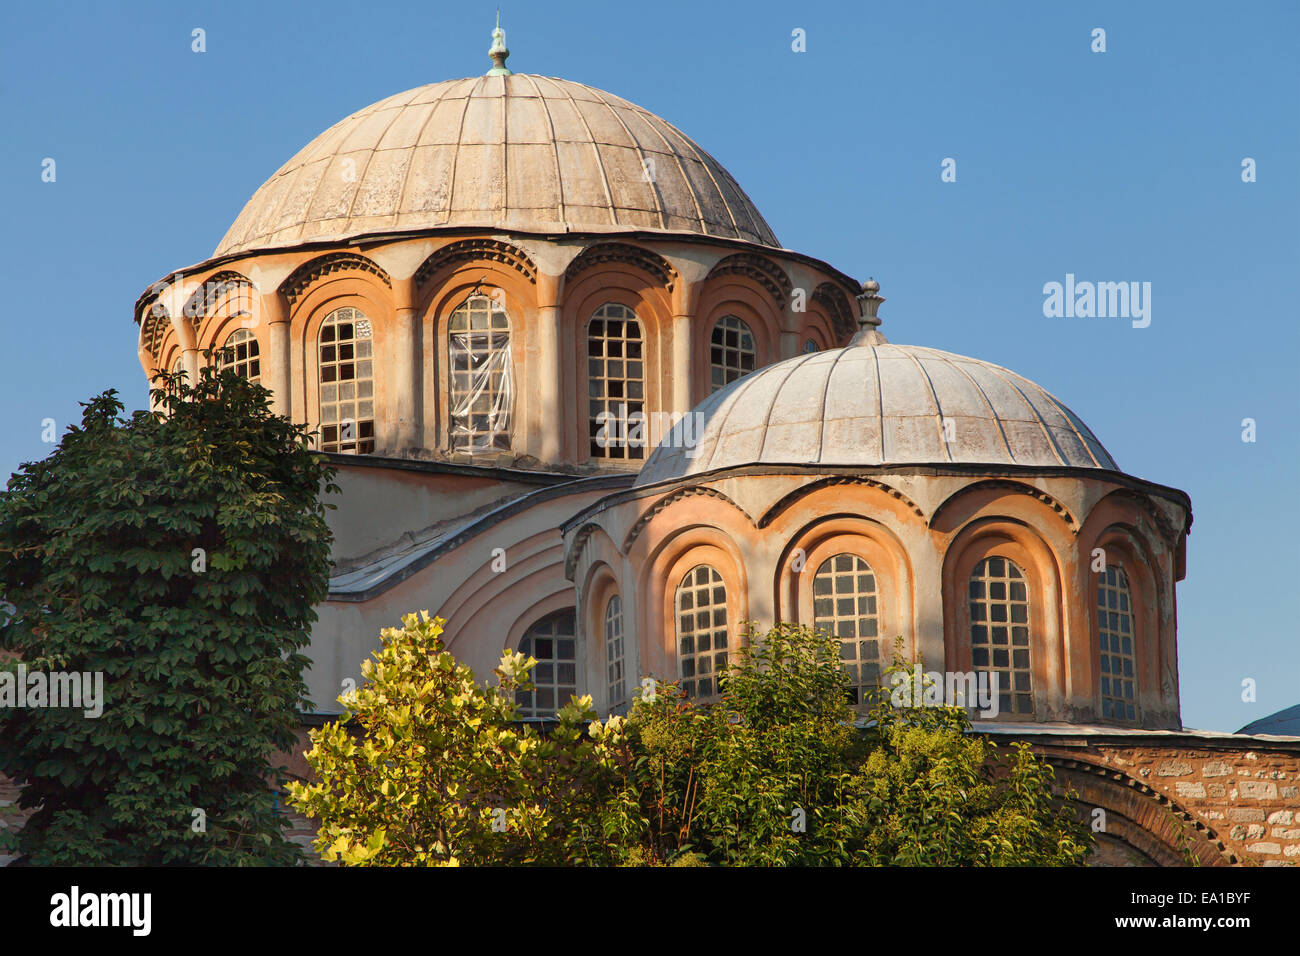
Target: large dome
{"type": "Point", "coordinates": [511, 152]}
{"type": "Point", "coordinates": [873, 403]}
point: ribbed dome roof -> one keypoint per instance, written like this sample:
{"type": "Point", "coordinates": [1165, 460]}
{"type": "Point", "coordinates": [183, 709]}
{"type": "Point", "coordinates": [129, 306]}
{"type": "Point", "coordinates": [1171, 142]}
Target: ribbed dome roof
{"type": "Point", "coordinates": [873, 403]}
{"type": "Point", "coordinates": [514, 152]}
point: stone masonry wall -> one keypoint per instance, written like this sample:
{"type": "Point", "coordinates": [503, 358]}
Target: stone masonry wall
{"type": "Point", "coordinates": [1245, 801]}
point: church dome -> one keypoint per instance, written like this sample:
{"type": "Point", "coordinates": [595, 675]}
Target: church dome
{"type": "Point", "coordinates": [513, 152]}
{"type": "Point", "coordinates": [873, 403]}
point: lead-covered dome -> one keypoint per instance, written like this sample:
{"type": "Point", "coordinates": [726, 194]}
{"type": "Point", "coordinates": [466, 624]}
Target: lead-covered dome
{"type": "Point", "coordinates": [510, 152]}
{"type": "Point", "coordinates": [873, 403]}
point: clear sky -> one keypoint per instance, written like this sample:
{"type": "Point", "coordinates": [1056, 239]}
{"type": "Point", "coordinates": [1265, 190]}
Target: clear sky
{"type": "Point", "coordinates": [1117, 166]}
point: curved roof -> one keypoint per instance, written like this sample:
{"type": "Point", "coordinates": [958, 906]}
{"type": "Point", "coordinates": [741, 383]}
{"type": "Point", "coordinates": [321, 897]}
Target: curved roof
{"type": "Point", "coordinates": [873, 403]}
{"type": "Point", "coordinates": [511, 152]}
{"type": "Point", "coordinates": [1285, 723]}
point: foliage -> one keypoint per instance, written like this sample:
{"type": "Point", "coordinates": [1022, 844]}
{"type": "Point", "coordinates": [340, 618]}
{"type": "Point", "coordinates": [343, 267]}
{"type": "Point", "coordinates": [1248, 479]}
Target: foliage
{"type": "Point", "coordinates": [774, 773]}
{"type": "Point", "coordinates": [438, 774]}
{"type": "Point", "coordinates": [179, 553]}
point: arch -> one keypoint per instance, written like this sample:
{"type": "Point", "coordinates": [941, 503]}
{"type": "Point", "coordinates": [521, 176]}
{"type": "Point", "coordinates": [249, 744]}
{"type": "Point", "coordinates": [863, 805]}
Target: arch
{"type": "Point", "coordinates": [740, 298]}
{"type": "Point", "coordinates": [759, 269]}
{"type": "Point", "coordinates": [659, 575]}
{"type": "Point", "coordinates": [667, 501]}
{"type": "Point", "coordinates": [578, 543]}
{"type": "Point", "coordinates": [812, 487]}
{"type": "Point", "coordinates": [599, 285]}
{"type": "Point", "coordinates": [446, 291]}
{"type": "Point", "coordinates": [480, 251]}
{"type": "Point", "coordinates": [1001, 537]}
{"type": "Point", "coordinates": [652, 264]}
{"type": "Point", "coordinates": [1124, 530]}
{"type": "Point", "coordinates": [1003, 484]}
{"type": "Point", "coordinates": [225, 293]}
{"type": "Point", "coordinates": [827, 536]}
{"type": "Point", "coordinates": [832, 298]}
{"type": "Point", "coordinates": [1172, 836]}
{"type": "Point", "coordinates": [356, 290]}
{"type": "Point", "coordinates": [154, 326]}
{"type": "Point", "coordinates": [309, 273]}
{"type": "Point", "coordinates": [1143, 503]}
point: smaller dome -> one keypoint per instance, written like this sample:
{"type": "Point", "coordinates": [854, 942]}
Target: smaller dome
{"type": "Point", "coordinates": [1285, 723]}
{"type": "Point", "coordinates": [873, 403]}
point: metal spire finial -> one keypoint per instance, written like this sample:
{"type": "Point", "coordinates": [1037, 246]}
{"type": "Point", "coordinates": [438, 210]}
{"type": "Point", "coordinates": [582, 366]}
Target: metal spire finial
{"type": "Point", "coordinates": [498, 51]}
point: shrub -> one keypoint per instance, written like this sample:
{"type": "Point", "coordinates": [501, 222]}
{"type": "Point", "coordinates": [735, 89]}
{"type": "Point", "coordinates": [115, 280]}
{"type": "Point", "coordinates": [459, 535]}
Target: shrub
{"type": "Point", "coordinates": [179, 554]}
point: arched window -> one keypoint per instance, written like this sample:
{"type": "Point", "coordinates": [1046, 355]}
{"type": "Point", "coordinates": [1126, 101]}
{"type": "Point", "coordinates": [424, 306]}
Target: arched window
{"type": "Point", "coordinates": [347, 383]}
{"type": "Point", "coordinates": [844, 605]}
{"type": "Point", "coordinates": [999, 632]}
{"type": "Point", "coordinates": [614, 652]}
{"type": "Point", "coordinates": [809, 347]}
{"type": "Point", "coordinates": [241, 353]}
{"type": "Point", "coordinates": [553, 643]}
{"type": "Point", "coordinates": [615, 383]}
{"type": "Point", "coordinates": [731, 352]}
{"type": "Point", "coordinates": [701, 630]}
{"type": "Point", "coordinates": [1115, 638]}
{"type": "Point", "coordinates": [478, 350]}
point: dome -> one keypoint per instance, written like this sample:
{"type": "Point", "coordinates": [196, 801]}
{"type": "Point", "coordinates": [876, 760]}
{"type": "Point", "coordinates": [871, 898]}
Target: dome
{"type": "Point", "coordinates": [873, 403]}
{"type": "Point", "coordinates": [512, 152]}
{"type": "Point", "coordinates": [1285, 723]}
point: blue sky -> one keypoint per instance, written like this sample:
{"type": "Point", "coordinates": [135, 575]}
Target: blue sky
{"type": "Point", "coordinates": [1115, 166]}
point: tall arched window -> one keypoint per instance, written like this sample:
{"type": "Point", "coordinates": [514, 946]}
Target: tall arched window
{"type": "Point", "coordinates": [614, 652]}
{"type": "Point", "coordinates": [1115, 638]}
{"type": "Point", "coordinates": [999, 631]}
{"type": "Point", "coordinates": [553, 642]}
{"type": "Point", "coordinates": [732, 352]}
{"type": "Point", "coordinates": [809, 347]}
{"type": "Point", "coordinates": [347, 383]}
{"type": "Point", "coordinates": [701, 630]}
{"type": "Point", "coordinates": [241, 353]}
{"type": "Point", "coordinates": [615, 383]}
{"type": "Point", "coordinates": [478, 351]}
{"type": "Point", "coordinates": [844, 605]}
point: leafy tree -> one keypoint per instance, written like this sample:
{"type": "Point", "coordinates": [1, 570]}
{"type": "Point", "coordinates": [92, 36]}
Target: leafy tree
{"type": "Point", "coordinates": [429, 768]}
{"type": "Point", "coordinates": [774, 773]}
{"type": "Point", "coordinates": [179, 553]}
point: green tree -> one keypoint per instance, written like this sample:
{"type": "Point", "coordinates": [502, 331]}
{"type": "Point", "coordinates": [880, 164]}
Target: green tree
{"type": "Point", "coordinates": [774, 773]}
{"type": "Point", "coordinates": [428, 769]}
{"type": "Point", "coordinates": [178, 553]}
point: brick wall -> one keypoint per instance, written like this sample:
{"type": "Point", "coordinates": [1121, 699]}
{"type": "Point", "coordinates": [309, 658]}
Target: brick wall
{"type": "Point", "coordinates": [1241, 803]}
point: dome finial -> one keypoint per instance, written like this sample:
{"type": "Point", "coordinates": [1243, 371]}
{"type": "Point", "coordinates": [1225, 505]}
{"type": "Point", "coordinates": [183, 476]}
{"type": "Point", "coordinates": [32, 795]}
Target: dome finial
{"type": "Point", "coordinates": [869, 302]}
{"type": "Point", "coordinates": [498, 51]}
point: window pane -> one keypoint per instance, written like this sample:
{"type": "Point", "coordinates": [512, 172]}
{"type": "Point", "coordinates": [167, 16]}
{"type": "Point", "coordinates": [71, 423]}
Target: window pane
{"type": "Point", "coordinates": [345, 333]}
{"type": "Point", "coordinates": [999, 594]}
